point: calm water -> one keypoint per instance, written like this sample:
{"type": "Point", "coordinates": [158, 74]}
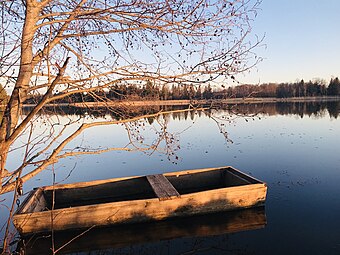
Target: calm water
{"type": "Point", "coordinates": [293, 147]}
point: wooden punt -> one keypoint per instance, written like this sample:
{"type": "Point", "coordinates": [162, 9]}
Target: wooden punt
{"type": "Point", "coordinates": [138, 199]}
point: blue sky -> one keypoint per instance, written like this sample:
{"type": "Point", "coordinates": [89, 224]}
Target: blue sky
{"type": "Point", "coordinates": [302, 41]}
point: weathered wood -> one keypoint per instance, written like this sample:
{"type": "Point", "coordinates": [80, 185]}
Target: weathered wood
{"type": "Point", "coordinates": [190, 182]}
{"type": "Point", "coordinates": [210, 191]}
{"type": "Point", "coordinates": [34, 202]}
{"type": "Point", "coordinates": [98, 182]}
{"type": "Point", "coordinates": [162, 187]}
{"type": "Point", "coordinates": [142, 210]}
{"type": "Point", "coordinates": [121, 190]}
{"type": "Point", "coordinates": [245, 176]}
{"type": "Point", "coordinates": [233, 179]}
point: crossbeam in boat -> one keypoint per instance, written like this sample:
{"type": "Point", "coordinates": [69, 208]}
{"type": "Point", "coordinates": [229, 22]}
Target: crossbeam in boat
{"type": "Point", "coordinates": [162, 187]}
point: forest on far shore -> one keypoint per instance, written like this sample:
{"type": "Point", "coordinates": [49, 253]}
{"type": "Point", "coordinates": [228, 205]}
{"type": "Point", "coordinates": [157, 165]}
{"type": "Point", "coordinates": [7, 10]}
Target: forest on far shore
{"type": "Point", "coordinates": [151, 91]}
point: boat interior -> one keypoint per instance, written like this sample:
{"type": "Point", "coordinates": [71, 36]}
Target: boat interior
{"type": "Point", "coordinates": [135, 189]}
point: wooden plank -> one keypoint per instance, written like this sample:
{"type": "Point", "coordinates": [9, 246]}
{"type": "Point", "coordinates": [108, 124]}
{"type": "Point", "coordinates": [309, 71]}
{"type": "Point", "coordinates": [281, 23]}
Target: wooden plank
{"type": "Point", "coordinates": [251, 179]}
{"type": "Point", "coordinates": [162, 187]}
{"type": "Point", "coordinates": [34, 202]}
{"type": "Point", "coordinates": [98, 182]}
{"type": "Point", "coordinates": [195, 171]}
{"type": "Point", "coordinates": [124, 190]}
{"type": "Point", "coordinates": [200, 181]}
{"type": "Point", "coordinates": [233, 179]}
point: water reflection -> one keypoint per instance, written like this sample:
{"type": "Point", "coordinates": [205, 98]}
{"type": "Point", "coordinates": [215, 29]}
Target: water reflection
{"type": "Point", "coordinates": [315, 108]}
{"type": "Point", "coordinates": [297, 157]}
{"type": "Point", "coordinates": [144, 236]}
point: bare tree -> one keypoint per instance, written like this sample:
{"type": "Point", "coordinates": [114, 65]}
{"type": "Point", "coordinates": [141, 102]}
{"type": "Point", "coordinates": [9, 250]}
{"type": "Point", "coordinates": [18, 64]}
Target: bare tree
{"type": "Point", "coordinates": [61, 48]}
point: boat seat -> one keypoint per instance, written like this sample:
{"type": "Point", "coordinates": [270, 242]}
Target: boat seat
{"type": "Point", "coordinates": [162, 187]}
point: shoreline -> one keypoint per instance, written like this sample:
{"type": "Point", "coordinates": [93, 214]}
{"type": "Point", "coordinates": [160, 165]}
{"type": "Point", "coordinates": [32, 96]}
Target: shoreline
{"type": "Point", "coordinates": [139, 103]}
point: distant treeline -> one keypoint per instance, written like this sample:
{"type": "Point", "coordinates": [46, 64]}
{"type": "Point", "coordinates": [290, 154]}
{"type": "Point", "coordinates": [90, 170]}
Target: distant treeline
{"type": "Point", "coordinates": [286, 90]}
{"type": "Point", "coordinates": [150, 91]}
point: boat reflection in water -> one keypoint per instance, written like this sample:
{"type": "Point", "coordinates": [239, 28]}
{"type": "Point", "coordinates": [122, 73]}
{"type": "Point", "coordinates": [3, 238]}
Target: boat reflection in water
{"type": "Point", "coordinates": [110, 239]}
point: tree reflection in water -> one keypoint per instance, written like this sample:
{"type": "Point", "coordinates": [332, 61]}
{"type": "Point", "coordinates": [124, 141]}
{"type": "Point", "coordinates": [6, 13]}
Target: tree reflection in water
{"type": "Point", "coordinates": [315, 108]}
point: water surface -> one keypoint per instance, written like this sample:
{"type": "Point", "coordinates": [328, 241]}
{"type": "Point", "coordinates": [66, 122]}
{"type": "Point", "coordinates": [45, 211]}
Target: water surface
{"type": "Point", "coordinates": [293, 147]}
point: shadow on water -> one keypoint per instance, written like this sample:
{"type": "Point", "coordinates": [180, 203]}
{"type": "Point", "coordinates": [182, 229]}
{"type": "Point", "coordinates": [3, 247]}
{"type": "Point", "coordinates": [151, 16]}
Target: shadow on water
{"type": "Point", "coordinates": [143, 236]}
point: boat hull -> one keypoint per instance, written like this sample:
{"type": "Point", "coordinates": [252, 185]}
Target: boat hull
{"type": "Point", "coordinates": [34, 217]}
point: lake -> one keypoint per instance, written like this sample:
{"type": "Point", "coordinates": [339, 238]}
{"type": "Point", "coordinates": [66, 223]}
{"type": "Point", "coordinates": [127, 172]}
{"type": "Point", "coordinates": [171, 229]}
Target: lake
{"type": "Point", "coordinates": [293, 147]}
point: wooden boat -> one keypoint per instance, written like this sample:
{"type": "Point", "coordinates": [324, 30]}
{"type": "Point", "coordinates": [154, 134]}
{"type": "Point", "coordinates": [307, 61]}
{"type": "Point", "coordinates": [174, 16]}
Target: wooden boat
{"type": "Point", "coordinates": [104, 240]}
{"type": "Point", "coordinates": [138, 199]}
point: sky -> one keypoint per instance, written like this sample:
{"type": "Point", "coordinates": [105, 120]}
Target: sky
{"type": "Point", "coordinates": [302, 41]}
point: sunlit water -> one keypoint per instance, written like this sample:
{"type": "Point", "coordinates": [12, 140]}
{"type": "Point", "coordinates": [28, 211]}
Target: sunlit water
{"type": "Point", "coordinates": [296, 154]}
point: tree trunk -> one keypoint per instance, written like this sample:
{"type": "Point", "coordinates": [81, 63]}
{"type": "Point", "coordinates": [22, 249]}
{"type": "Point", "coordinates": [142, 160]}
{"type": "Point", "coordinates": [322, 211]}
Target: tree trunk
{"type": "Point", "coordinates": [19, 94]}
